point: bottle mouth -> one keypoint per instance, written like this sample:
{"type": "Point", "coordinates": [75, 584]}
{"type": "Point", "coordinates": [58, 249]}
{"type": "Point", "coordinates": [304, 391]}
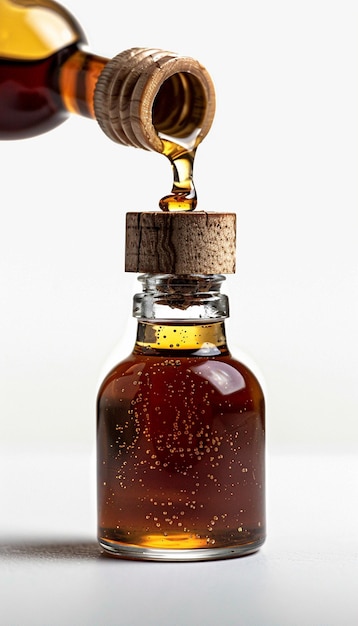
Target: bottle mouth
{"type": "Point", "coordinates": [181, 97]}
{"type": "Point", "coordinates": [179, 108]}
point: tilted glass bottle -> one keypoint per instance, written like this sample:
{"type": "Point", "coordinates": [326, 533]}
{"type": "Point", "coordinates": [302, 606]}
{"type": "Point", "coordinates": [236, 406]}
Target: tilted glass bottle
{"type": "Point", "coordinates": [139, 97]}
{"type": "Point", "coordinates": [144, 97]}
{"type": "Point", "coordinates": [181, 432]}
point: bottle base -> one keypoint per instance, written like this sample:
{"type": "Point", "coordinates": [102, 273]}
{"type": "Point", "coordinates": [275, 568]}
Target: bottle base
{"type": "Point", "coordinates": [141, 553]}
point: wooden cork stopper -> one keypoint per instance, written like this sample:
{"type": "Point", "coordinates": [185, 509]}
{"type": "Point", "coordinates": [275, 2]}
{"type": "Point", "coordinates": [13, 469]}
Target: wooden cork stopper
{"type": "Point", "coordinates": [144, 93]}
{"type": "Point", "coordinates": [180, 243]}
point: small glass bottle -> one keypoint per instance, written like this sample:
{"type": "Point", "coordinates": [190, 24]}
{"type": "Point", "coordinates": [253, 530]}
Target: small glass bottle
{"type": "Point", "coordinates": [181, 433]}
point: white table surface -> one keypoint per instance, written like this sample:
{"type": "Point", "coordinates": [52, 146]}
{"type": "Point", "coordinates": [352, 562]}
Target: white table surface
{"type": "Point", "coordinates": [51, 572]}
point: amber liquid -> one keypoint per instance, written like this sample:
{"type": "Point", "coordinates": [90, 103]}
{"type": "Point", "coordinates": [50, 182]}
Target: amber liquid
{"type": "Point", "coordinates": [180, 450]}
{"type": "Point", "coordinates": [183, 196]}
{"type": "Point", "coordinates": [36, 39]}
{"type": "Point", "coordinates": [38, 95]}
{"type": "Point", "coordinates": [29, 101]}
{"type": "Point", "coordinates": [177, 118]}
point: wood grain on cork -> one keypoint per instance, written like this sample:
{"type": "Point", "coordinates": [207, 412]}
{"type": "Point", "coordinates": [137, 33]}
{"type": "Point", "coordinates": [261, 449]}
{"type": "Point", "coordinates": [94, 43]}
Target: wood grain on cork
{"type": "Point", "coordinates": [180, 243]}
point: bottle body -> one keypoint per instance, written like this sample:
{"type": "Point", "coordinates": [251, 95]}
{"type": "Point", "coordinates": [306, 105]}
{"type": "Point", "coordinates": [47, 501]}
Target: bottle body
{"type": "Point", "coordinates": [36, 39]}
{"type": "Point", "coordinates": [181, 448]}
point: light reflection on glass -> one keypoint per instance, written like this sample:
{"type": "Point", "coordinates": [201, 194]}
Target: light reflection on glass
{"type": "Point", "coordinates": [222, 376]}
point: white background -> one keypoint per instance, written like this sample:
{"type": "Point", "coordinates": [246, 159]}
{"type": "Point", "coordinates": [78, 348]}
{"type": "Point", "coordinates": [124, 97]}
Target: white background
{"type": "Point", "coordinates": [283, 155]}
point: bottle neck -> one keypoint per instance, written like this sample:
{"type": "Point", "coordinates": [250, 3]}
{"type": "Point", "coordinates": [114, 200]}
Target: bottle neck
{"type": "Point", "coordinates": [184, 315]}
{"type": "Point", "coordinates": [78, 77]}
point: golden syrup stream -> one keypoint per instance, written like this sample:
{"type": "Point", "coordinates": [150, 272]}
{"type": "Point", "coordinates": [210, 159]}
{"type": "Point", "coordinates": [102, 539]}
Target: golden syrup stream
{"type": "Point", "coordinates": [181, 155]}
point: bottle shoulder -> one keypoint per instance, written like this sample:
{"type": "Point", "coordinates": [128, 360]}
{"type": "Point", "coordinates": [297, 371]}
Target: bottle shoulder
{"type": "Point", "coordinates": [222, 374]}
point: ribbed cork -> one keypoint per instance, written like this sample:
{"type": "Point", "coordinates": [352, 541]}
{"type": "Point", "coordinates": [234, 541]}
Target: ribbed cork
{"type": "Point", "coordinates": [145, 93]}
{"type": "Point", "coordinates": [180, 243]}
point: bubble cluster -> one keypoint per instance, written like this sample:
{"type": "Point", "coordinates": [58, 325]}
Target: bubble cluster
{"type": "Point", "coordinates": [180, 453]}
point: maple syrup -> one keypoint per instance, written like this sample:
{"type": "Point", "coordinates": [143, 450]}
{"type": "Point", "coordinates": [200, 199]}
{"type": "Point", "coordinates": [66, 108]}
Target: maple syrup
{"type": "Point", "coordinates": [35, 41]}
{"type": "Point", "coordinates": [31, 99]}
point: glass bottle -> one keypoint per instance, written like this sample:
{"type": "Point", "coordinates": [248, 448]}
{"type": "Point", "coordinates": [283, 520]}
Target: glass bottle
{"type": "Point", "coordinates": [181, 433]}
{"type": "Point", "coordinates": [46, 73]}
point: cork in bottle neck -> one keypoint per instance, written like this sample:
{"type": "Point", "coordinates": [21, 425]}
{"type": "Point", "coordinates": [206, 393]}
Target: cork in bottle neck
{"type": "Point", "coordinates": [189, 297]}
{"type": "Point", "coordinates": [145, 96]}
